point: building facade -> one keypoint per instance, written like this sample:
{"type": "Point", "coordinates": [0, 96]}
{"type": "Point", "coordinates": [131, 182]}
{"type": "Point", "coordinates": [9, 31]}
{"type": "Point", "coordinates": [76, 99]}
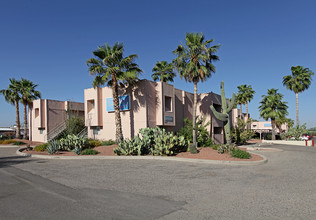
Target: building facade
{"type": "Point", "coordinates": [47, 118]}
{"type": "Point", "coordinates": [149, 104]}
{"type": "Point", "coordinates": [265, 127]}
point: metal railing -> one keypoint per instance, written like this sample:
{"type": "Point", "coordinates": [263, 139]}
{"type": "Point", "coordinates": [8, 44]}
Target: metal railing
{"type": "Point", "coordinates": [83, 133]}
{"type": "Point", "coordinates": [51, 135]}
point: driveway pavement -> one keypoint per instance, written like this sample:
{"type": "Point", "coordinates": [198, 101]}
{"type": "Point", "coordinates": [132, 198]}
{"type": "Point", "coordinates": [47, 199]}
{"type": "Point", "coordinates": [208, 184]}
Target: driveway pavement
{"type": "Point", "coordinates": [283, 188]}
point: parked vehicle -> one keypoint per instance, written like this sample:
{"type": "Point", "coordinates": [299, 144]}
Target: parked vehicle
{"type": "Point", "coordinates": [306, 137]}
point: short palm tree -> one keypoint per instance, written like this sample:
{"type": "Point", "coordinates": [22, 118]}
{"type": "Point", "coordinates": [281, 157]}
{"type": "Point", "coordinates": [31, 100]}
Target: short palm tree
{"type": "Point", "coordinates": [28, 94]}
{"type": "Point", "coordinates": [283, 121]}
{"type": "Point", "coordinates": [111, 68]}
{"type": "Point", "coordinates": [272, 107]}
{"type": "Point", "coordinates": [299, 81]}
{"type": "Point", "coordinates": [194, 64]}
{"type": "Point", "coordinates": [12, 96]}
{"type": "Point", "coordinates": [163, 71]}
{"type": "Point", "coordinates": [245, 95]}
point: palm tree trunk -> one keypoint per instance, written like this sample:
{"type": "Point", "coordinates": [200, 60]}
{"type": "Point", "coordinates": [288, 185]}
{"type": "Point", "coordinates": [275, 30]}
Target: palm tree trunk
{"type": "Point", "coordinates": [118, 124]}
{"type": "Point", "coordinates": [240, 110]}
{"type": "Point", "coordinates": [273, 128]}
{"type": "Point", "coordinates": [247, 122]}
{"type": "Point", "coordinates": [25, 121]}
{"type": "Point", "coordinates": [17, 115]}
{"type": "Point", "coordinates": [194, 114]}
{"type": "Point", "coordinates": [297, 121]}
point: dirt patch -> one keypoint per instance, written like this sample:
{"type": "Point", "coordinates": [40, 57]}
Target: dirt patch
{"type": "Point", "coordinates": [204, 153]}
{"type": "Point", "coordinates": [208, 153]}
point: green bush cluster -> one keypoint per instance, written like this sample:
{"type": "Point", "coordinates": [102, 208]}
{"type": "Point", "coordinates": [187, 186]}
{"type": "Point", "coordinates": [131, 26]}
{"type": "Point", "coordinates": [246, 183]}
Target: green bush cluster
{"type": "Point", "coordinates": [19, 143]}
{"type": "Point", "coordinates": [202, 135]}
{"type": "Point", "coordinates": [154, 141]}
{"type": "Point", "coordinates": [215, 146]}
{"type": "Point", "coordinates": [240, 134]}
{"type": "Point", "coordinates": [89, 152]}
{"type": "Point", "coordinates": [241, 154]}
{"type": "Point", "coordinates": [107, 143]}
{"type": "Point", "coordinates": [41, 148]}
{"type": "Point", "coordinates": [296, 132]}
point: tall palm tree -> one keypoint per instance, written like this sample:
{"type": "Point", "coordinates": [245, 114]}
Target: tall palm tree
{"type": "Point", "coordinates": [163, 71]}
{"type": "Point", "coordinates": [194, 64]}
{"type": "Point", "coordinates": [272, 107]}
{"type": "Point", "coordinates": [245, 95]}
{"type": "Point", "coordinates": [299, 81]}
{"type": "Point", "coordinates": [12, 96]}
{"type": "Point", "coordinates": [28, 94]}
{"type": "Point", "coordinates": [111, 68]}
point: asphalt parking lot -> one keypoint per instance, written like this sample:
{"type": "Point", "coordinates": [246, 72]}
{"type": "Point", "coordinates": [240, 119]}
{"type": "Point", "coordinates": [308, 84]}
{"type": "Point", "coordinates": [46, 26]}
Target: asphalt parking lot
{"type": "Point", "coordinates": [283, 188]}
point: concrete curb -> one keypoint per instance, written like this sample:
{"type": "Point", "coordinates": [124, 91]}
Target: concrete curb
{"type": "Point", "coordinates": [224, 162]}
{"type": "Point", "coordinates": [263, 149]}
{"type": "Point", "coordinates": [296, 143]}
{"type": "Point", "coordinates": [8, 146]}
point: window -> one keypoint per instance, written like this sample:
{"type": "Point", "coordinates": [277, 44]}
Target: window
{"type": "Point", "coordinates": [168, 105]}
{"type": "Point", "coordinates": [217, 107]}
{"type": "Point", "coordinates": [36, 112]}
{"type": "Point", "coordinates": [90, 105]}
{"type": "Point", "coordinates": [217, 130]}
{"type": "Point", "coordinates": [96, 131]}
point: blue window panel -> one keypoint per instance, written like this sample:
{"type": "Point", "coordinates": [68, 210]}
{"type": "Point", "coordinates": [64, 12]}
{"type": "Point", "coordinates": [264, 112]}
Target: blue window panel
{"type": "Point", "coordinates": [267, 125]}
{"type": "Point", "coordinates": [124, 103]}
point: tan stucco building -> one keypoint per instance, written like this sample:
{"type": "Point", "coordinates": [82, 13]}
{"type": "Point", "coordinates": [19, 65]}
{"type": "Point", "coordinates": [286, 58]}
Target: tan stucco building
{"type": "Point", "coordinates": [47, 118]}
{"type": "Point", "coordinates": [149, 104]}
{"type": "Point", "coordinates": [265, 127]}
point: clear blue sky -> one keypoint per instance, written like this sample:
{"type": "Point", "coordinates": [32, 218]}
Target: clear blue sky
{"type": "Point", "coordinates": [48, 42]}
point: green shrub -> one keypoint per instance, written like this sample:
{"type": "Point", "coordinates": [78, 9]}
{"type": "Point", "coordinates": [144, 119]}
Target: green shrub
{"type": "Point", "coordinates": [241, 154]}
{"type": "Point", "coordinates": [107, 143]}
{"type": "Point", "coordinates": [202, 135]}
{"type": "Point", "coordinates": [89, 152]}
{"type": "Point", "coordinates": [41, 148]}
{"type": "Point", "coordinates": [268, 137]}
{"type": "Point", "coordinates": [296, 132]}
{"type": "Point", "coordinates": [19, 143]}
{"type": "Point", "coordinates": [215, 146]}
{"type": "Point", "coordinates": [240, 134]}
{"type": "Point", "coordinates": [94, 143]}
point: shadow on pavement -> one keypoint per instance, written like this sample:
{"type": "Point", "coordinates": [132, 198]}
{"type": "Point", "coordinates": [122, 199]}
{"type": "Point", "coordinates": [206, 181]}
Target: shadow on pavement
{"type": "Point", "coordinates": [13, 160]}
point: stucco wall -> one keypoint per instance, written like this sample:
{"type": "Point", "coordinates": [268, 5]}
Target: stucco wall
{"type": "Point", "coordinates": [147, 109]}
{"type": "Point", "coordinates": [51, 113]}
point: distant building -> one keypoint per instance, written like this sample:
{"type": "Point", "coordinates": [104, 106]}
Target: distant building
{"type": "Point", "coordinates": [149, 104]}
{"type": "Point", "coordinates": [265, 127]}
{"type": "Point", "coordinates": [4, 130]}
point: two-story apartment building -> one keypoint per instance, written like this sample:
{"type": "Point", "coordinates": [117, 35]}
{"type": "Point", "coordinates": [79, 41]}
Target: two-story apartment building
{"type": "Point", "coordinates": [148, 104]}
